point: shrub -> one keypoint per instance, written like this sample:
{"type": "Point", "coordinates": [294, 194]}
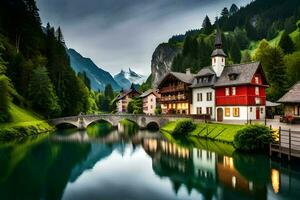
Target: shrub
{"type": "Point", "coordinates": [158, 109]}
{"type": "Point", "coordinates": [253, 138]}
{"type": "Point", "coordinates": [184, 127]}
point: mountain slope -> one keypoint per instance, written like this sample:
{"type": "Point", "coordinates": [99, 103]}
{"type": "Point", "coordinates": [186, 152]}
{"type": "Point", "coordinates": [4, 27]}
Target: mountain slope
{"type": "Point", "coordinates": [99, 78]}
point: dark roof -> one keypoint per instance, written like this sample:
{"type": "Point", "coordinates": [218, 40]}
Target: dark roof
{"type": "Point", "coordinates": [218, 41]}
{"type": "Point", "coordinates": [244, 72]}
{"type": "Point", "coordinates": [125, 93]}
{"type": "Point", "coordinates": [205, 72]}
{"type": "Point", "coordinates": [184, 77]}
{"type": "Point", "coordinates": [218, 52]}
{"type": "Point", "coordinates": [148, 92]}
{"type": "Point", "coordinates": [292, 96]}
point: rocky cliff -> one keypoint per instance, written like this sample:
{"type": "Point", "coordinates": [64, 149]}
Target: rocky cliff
{"type": "Point", "coordinates": [162, 59]}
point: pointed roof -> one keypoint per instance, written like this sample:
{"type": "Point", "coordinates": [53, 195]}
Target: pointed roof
{"type": "Point", "coordinates": [150, 91]}
{"type": "Point", "coordinates": [218, 44]}
{"type": "Point", "coordinates": [184, 77]}
{"type": "Point", "coordinates": [292, 96]}
{"type": "Point", "coordinates": [218, 40]}
{"type": "Point", "coordinates": [244, 74]}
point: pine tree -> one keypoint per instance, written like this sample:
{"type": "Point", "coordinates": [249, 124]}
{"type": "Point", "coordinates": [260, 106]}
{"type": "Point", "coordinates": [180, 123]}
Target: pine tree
{"type": "Point", "coordinates": [108, 91]}
{"type": "Point", "coordinates": [59, 35]}
{"type": "Point", "coordinates": [287, 44]}
{"type": "Point", "coordinates": [225, 12]}
{"type": "Point", "coordinates": [42, 94]}
{"type": "Point", "coordinates": [233, 9]}
{"type": "Point", "coordinates": [206, 25]}
{"type": "Point", "coordinates": [235, 52]}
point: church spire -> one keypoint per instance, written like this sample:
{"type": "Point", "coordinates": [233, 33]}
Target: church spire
{"type": "Point", "coordinates": [218, 41]}
{"type": "Point", "coordinates": [218, 56]}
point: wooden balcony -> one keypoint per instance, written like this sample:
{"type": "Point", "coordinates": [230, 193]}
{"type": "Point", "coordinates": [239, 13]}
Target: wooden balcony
{"type": "Point", "coordinates": [240, 100]}
{"type": "Point", "coordinates": [173, 98]}
{"type": "Point", "coordinates": [170, 89]}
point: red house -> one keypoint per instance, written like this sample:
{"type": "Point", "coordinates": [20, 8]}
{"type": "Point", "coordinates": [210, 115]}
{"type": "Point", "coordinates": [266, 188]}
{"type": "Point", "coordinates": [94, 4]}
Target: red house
{"type": "Point", "coordinates": [241, 92]}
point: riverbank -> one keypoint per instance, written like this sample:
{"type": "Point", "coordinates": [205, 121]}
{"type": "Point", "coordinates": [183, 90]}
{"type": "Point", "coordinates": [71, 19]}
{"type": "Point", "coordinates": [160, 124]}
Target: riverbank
{"type": "Point", "coordinates": [217, 132]}
{"type": "Point", "coordinates": [23, 123]}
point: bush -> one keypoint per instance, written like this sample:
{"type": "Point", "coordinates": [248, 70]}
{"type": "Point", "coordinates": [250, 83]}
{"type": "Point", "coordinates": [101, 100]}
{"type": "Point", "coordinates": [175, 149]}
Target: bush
{"type": "Point", "coordinates": [158, 109]}
{"type": "Point", "coordinates": [184, 127]}
{"type": "Point", "coordinates": [253, 138]}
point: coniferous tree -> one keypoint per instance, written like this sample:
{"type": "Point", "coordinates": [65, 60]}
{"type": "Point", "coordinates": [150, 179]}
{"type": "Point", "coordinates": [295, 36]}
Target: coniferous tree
{"type": "Point", "coordinates": [287, 44]}
{"type": "Point", "coordinates": [206, 25]}
{"type": "Point", "coordinates": [233, 9]}
{"type": "Point", "coordinates": [235, 52]}
{"type": "Point", "coordinates": [225, 12]}
{"type": "Point", "coordinates": [108, 91]}
{"type": "Point", "coordinates": [42, 94]}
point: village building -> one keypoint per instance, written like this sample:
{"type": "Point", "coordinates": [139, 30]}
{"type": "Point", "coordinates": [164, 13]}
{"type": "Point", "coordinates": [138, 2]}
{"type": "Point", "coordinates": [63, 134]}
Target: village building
{"type": "Point", "coordinates": [291, 102]}
{"type": "Point", "coordinates": [241, 93]}
{"type": "Point", "coordinates": [124, 98]}
{"type": "Point", "coordinates": [150, 101]}
{"type": "Point", "coordinates": [175, 93]}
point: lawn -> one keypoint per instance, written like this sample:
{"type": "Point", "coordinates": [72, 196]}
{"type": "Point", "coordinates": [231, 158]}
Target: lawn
{"type": "Point", "coordinates": [219, 132]}
{"type": "Point", "coordinates": [23, 123]}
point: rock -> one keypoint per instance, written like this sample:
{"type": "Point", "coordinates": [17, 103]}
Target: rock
{"type": "Point", "coordinates": [162, 59]}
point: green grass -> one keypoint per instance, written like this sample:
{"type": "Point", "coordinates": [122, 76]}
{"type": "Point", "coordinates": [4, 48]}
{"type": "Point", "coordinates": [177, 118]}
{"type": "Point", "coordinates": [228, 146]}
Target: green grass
{"type": "Point", "coordinates": [23, 123]}
{"type": "Point", "coordinates": [218, 132]}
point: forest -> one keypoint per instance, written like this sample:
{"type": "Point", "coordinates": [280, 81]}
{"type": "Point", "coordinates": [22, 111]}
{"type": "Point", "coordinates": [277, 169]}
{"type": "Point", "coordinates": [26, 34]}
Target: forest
{"type": "Point", "coordinates": [264, 30]}
{"type": "Point", "coordinates": [35, 70]}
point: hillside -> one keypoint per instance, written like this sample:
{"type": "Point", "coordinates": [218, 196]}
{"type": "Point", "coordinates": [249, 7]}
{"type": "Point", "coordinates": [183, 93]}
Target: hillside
{"type": "Point", "coordinates": [272, 23]}
{"type": "Point", "coordinates": [98, 77]}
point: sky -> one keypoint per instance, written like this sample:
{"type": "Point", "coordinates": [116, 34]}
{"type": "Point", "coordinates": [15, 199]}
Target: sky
{"type": "Point", "coordinates": [118, 34]}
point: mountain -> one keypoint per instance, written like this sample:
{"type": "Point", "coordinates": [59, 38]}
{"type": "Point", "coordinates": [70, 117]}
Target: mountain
{"type": "Point", "coordinates": [260, 25]}
{"type": "Point", "coordinates": [98, 77]}
{"type": "Point", "coordinates": [126, 78]}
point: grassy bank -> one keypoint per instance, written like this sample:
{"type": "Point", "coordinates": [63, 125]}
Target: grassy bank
{"type": "Point", "coordinates": [218, 132]}
{"type": "Point", "coordinates": [23, 123]}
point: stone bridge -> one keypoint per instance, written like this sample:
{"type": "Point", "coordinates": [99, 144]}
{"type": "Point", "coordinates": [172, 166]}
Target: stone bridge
{"type": "Point", "coordinates": [83, 121]}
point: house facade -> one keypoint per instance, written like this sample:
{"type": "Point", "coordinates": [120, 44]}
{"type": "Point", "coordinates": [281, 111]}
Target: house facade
{"type": "Point", "coordinates": [124, 98]}
{"type": "Point", "coordinates": [203, 93]}
{"type": "Point", "coordinates": [241, 93]}
{"type": "Point", "coordinates": [291, 102]}
{"type": "Point", "coordinates": [150, 101]}
{"type": "Point", "coordinates": [175, 93]}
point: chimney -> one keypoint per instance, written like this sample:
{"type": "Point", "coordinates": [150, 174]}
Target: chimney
{"type": "Point", "coordinates": [188, 71]}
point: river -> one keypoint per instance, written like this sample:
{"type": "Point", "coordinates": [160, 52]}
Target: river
{"type": "Point", "coordinates": [131, 164]}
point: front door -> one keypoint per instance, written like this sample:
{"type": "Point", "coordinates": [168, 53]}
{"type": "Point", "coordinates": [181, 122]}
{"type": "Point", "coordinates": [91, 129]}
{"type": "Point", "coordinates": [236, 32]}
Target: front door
{"type": "Point", "coordinates": [220, 114]}
{"type": "Point", "coordinates": [257, 113]}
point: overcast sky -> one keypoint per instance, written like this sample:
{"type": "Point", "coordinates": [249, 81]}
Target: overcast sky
{"type": "Point", "coordinates": [117, 34]}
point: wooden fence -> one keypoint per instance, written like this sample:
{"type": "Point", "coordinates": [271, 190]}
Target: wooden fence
{"type": "Point", "coordinates": [288, 144]}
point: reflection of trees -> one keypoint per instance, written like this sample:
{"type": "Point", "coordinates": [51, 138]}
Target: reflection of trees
{"type": "Point", "coordinates": [42, 173]}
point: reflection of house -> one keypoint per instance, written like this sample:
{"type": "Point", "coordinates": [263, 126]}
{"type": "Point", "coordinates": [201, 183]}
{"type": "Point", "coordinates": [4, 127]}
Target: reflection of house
{"type": "Point", "coordinates": [204, 163]}
{"type": "Point", "coordinates": [230, 177]}
{"type": "Point", "coordinates": [174, 90]}
{"type": "Point", "coordinates": [149, 101]}
{"type": "Point", "coordinates": [124, 98]}
{"type": "Point", "coordinates": [291, 101]}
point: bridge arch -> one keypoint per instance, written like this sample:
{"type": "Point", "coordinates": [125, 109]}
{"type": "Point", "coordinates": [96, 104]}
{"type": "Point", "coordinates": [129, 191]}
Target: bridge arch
{"type": "Point", "coordinates": [94, 121]}
{"type": "Point", "coordinates": [153, 125]}
{"type": "Point", "coordinates": [62, 125]}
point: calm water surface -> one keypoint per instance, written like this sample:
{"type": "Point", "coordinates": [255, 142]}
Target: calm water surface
{"type": "Point", "coordinates": [133, 164]}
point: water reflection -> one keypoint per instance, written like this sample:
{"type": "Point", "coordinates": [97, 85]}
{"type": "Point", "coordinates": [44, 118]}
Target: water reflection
{"type": "Point", "coordinates": [137, 164]}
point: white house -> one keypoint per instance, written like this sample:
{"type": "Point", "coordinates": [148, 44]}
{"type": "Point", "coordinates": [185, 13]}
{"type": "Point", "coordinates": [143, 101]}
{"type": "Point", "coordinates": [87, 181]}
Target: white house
{"type": "Point", "coordinates": [150, 101]}
{"type": "Point", "coordinates": [203, 93]}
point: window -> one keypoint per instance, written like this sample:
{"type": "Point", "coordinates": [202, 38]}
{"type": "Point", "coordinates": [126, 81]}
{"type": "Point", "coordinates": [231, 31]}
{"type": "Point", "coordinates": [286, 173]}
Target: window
{"type": "Point", "coordinates": [250, 109]}
{"type": "Point", "coordinates": [214, 60]}
{"type": "Point", "coordinates": [256, 90]}
{"type": "Point", "coordinates": [233, 90]}
{"type": "Point", "coordinates": [209, 110]}
{"type": "Point", "coordinates": [262, 110]}
{"type": "Point", "coordinates": [227, 93]}
{"type": "Point", "coordinates": [199, 110]}
{"type": "Point", "coordinates": [199, 97]}
{"type": "Point", "coordinates": [222, 60]}
{"type": "Point", "coordinates": [151, 100]}
{"type": "Point", "coordinates": [236, 112]}
{"type": "Point", "coordinates": [256, 79]}
{"type": "Point", "coordinates": [227, 112]}
{"type": "Point", "coordinates": [151, 107]}
{"type": "Point", "coordinates": [205, 80]}
{"type": "Point", "coordinates": [209, 96]}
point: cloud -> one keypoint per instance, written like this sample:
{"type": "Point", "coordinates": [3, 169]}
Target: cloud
{"type": "Point", "coordinates": [124, 33]}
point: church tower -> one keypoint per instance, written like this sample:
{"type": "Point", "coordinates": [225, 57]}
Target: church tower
{"type": "Point", "coordinates": [218, 56]}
